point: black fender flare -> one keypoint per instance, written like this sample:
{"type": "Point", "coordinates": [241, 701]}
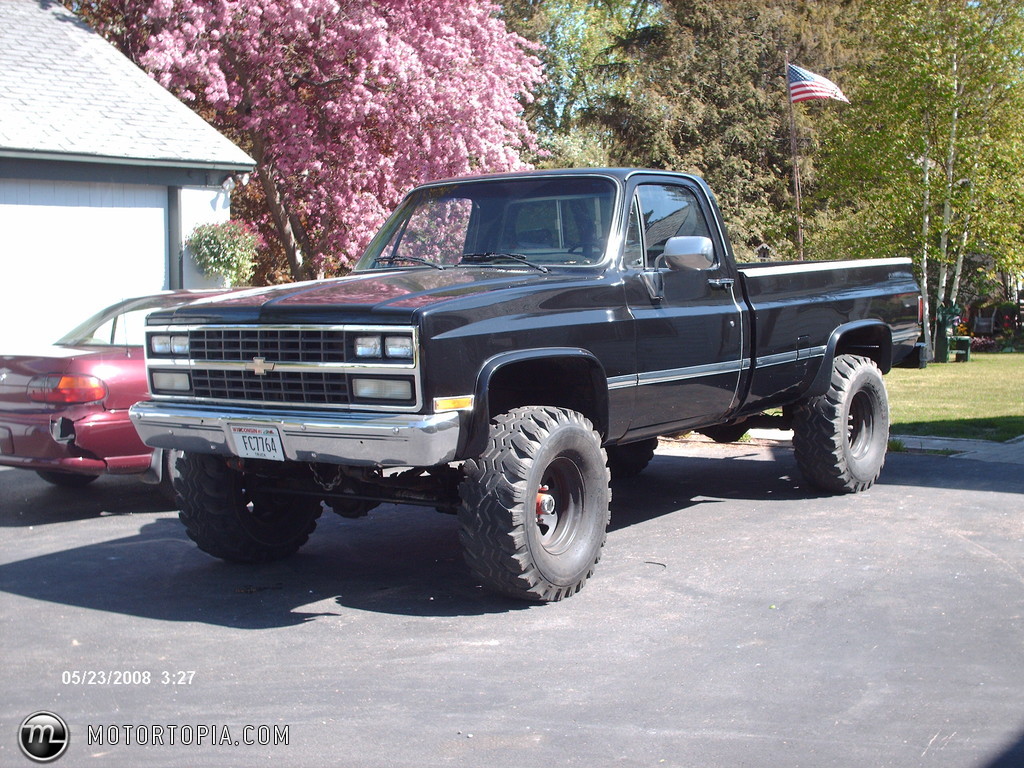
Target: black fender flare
{"type": "Point", "coordinates": [867, 328]}
{"type": "Point", "coordinates": [477, 425]}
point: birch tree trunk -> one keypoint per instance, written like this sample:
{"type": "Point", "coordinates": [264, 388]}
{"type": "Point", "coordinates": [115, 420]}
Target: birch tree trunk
{"type": "Point", "coordinates": [958, 268]}
{"type": "Point", "coordinates": [926, 208]}
{"type": "Point", "coordinates": [947, 202]}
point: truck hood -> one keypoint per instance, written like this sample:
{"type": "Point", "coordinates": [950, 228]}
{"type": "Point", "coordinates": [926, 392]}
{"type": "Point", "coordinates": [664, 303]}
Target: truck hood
{"type": "Point", "coordinates": [393, 296]}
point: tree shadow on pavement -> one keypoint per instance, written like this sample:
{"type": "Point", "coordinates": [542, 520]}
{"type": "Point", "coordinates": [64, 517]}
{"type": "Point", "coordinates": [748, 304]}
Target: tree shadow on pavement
{"type": "Point", "coordinates": [673, 483]}
{"type": "Point", "coordinates": [406, 562]}
{"type": "Point", "coordinates": [1011, 757]}
{"type": "Point", "coordinates": [769, 471]}
{"type": "Point", "coordinates": [30, 501]}
{"type": "Point", "coordinates": [399, 560]}
{"type": "Point", "coordinates": [929, 471]}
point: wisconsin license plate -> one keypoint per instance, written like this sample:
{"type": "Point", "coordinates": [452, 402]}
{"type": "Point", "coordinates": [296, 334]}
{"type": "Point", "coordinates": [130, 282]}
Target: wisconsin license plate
{"type": "Point", "coordinates": [257, 442]}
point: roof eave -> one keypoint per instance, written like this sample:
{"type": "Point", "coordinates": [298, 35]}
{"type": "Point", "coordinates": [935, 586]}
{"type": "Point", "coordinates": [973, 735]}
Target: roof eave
{"type": "Point", "coordinates": [70, 157]}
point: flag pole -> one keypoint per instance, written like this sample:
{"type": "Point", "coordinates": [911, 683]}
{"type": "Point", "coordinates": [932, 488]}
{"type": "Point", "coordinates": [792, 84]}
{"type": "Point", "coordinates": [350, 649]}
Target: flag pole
{"type": "Point", "coordinates": [796, 166]}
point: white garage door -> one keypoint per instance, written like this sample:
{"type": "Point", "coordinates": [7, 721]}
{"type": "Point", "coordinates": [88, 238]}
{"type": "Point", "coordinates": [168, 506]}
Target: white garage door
{"type": "Point", "coordinates": [68, 249]}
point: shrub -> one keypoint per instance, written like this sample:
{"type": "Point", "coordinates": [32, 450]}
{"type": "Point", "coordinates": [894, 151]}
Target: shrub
{"type": "Point", "coordinates": [225, 250]}
{"type": "Point", "coordinates": [983, 344]}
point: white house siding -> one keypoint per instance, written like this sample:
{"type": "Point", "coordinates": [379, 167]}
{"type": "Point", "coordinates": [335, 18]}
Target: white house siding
{"type": "Point", "coordinates": [68, 249]}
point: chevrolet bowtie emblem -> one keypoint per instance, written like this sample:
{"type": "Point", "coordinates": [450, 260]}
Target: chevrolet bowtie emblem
{"type": "Point", "coordinates": [259, 366]}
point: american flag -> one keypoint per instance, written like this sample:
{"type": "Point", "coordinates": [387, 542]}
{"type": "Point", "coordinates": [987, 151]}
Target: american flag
{"type": "Point", "coordinates": [804, 86]}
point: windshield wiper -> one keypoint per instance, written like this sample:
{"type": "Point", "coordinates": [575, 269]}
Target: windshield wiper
{"type": "Point", "coordinates": [489, 257]}
{"type": "Point", "coordinates": [411, 259]}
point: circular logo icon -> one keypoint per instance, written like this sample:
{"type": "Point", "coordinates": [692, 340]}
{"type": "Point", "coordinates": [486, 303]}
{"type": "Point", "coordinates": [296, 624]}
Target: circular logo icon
{"type": "Point", "coordinates": [43, 737]}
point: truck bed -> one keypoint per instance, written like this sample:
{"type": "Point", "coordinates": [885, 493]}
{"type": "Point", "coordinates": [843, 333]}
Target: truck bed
{"type": "Point", "coordinates": [798, 306]}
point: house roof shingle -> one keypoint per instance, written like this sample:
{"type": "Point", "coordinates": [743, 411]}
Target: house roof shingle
{"type": "Point", "coordinates": [67, 94]}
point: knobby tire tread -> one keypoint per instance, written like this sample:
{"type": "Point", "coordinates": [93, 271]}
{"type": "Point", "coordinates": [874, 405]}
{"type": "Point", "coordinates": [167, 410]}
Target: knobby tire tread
{"type": "Point", "coordinates": [210, 497]}
{"type": "Point", "coordinates": [820, 442]}
{"type": "Point", "coordinates": [494, 508]}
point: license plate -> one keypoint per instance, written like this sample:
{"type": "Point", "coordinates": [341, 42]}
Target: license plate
{"type": "Point", "coordinates": [257, 442]}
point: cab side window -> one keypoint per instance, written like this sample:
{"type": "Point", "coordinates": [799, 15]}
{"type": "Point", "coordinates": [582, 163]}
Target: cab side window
{"type": "Point", "coordinates": [667, 211]}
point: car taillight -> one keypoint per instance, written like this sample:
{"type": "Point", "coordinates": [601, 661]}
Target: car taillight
{"type": "Point", "coordinates": [66, 389]}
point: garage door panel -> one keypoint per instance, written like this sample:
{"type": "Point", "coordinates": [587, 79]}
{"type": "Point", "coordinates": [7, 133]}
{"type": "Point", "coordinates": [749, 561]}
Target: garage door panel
{"type": "Point", "coordinates": [70, 248]}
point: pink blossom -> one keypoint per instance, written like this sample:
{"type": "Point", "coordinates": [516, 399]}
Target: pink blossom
{"type": "Point", "coordinates": [347, 104]}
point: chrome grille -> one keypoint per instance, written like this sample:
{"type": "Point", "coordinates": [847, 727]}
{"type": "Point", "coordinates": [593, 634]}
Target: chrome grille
{"type": "Point", "coordinates": [305, 345]}
{"type": "Point", "coordinates": [294, 387]}
{"type": "Point", "coordinates": [269, 366]}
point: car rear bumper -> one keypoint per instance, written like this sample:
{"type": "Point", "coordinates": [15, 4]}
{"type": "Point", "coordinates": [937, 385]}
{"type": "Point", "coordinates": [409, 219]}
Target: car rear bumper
{"type": "Point", "coordinates": [361, 439]}
{"type": "Point", "coordinates": [90, 445]}
{"type": "Point", "coordinates": [82, 465]}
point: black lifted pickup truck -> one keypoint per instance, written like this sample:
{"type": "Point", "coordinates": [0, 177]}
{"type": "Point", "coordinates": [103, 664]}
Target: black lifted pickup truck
{"type": "Point", "coordinates": [505, 346]}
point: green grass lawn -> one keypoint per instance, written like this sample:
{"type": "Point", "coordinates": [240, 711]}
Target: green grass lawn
{"type": "Point", "coordinates": [981, 400]}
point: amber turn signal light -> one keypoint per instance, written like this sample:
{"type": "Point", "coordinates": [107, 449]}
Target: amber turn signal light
{"type": "Point", "coordinates": [66, 389]}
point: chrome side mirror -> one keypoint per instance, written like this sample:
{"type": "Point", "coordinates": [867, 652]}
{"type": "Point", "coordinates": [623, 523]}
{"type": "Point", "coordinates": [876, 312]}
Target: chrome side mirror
{"type": "Point", "coordinates": [689, 252]}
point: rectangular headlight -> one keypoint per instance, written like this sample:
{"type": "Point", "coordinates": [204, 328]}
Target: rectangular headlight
{"type": "Point", "coordinates": [171, 381]}
{"type": "Point", "coordinates": [398, 346]}
{"type": "Point", "coordinates": [368, 346]}
{"type": "Point", "coordinates": [382, 389]}
{"type": "Point", "coordinates": [169, 345]}
{"type": "Point", "coordinates": [160, 345]}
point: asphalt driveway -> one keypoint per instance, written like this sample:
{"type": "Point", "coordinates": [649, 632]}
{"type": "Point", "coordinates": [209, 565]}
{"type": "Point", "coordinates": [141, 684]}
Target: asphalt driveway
{"type": "Point", "coordinates": [737, 619]}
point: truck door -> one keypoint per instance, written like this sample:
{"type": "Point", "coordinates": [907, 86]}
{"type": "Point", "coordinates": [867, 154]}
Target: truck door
{"type": "Point", "coordinates": [689, 322]}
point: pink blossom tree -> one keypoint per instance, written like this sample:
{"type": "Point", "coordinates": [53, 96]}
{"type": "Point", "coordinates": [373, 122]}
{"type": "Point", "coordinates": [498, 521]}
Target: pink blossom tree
{"type": "Point", "coordinates": [345, 104]}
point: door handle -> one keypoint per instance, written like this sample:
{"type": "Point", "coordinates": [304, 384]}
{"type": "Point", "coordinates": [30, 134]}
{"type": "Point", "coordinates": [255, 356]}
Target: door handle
{"type": "Point", "coordinates": [722, 283]}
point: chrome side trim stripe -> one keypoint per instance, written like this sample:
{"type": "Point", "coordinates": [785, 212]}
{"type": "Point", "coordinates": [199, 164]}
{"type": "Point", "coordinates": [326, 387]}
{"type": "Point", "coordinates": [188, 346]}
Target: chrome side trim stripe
{"type": "Point", "coordinates": [712, 369]}
{"type": "Point", "coordinates": [779, 359]}
{"type": "Point", "coordinates": [820, 266]}
{"type": "Point", "coordinates": [621, 382]}
{"type": "Point", "coordinates": [693, 372]}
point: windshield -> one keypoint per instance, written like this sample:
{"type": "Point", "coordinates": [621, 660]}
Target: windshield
{"type": "Point", "coordinates": [548, 221]}
{"type": "Point", "coordinates": [121, 324]}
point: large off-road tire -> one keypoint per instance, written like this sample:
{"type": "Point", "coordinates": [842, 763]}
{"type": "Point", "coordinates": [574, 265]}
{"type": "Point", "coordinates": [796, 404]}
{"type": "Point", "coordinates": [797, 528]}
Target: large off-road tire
{"type": "Point", "coordinates": [840, 438]}
{"type": "Point", "coordinates": [229, 522]}
{"type": "Point", "coordinates": [630, 460]}
{"type": "Point", "coordinates": [534, 511]}
{"type": "Point", "coordinates": [66, 479]}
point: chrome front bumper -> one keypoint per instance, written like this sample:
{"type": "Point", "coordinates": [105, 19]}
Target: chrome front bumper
{"type": "Point", "coordinates": [364, 439]}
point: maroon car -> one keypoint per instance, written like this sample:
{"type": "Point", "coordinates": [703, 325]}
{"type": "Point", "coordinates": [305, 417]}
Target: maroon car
{"type": "Point", "coordinates": [64, 408]}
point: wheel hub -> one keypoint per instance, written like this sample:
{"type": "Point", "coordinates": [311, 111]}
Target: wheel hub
{"type": "Point", "coordinates": [547, 515]}
{"type": "Point", "coordinates": [559, 504]}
